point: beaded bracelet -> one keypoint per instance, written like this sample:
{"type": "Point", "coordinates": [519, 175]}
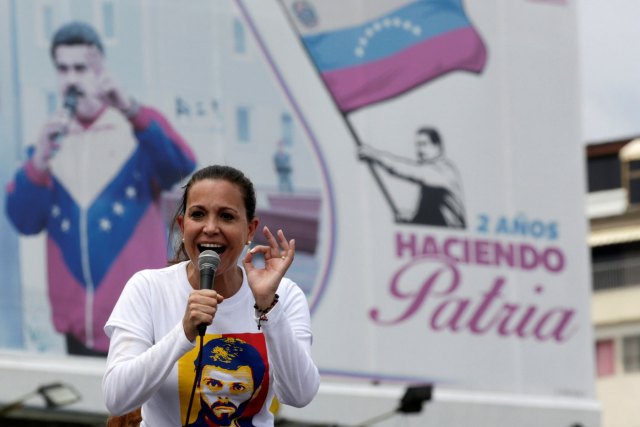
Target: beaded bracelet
{"type": "Point", "coordinates": [263, 313]}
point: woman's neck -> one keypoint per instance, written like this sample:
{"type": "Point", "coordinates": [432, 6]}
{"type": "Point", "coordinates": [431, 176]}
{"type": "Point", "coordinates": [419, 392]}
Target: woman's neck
{"type": "Point", "coordinates": [229, 283]}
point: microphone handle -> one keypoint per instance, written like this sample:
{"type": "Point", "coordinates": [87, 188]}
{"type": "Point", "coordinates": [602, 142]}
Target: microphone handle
{"type": "Point", "coordinates": [202, 328]}
{"type": "Point", "coordinates": [59, 136]}
{"type": "Point", "coordinates": [206, 282]}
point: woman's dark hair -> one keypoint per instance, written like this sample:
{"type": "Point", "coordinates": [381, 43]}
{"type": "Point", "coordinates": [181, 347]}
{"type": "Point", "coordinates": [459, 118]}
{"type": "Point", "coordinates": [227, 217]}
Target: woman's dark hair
{"type": "Point", "coordinates": [220, 172]}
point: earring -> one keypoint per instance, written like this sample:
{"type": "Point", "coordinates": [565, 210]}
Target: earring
{"type": "Point", "coordinates": [248, 242]}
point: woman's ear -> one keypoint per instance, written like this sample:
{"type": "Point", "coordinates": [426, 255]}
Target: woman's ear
{"type": "Point", "coordinates": [253, 226]}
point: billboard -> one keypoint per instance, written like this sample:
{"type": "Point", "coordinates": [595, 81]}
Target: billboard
{"type": "Point", "coordinates": [457, 184]}
{"type": "Point", "coordinates": [470, 231]}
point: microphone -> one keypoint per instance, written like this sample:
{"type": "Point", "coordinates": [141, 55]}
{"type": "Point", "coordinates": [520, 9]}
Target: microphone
{"type": "Point", "coordinates": [71, 100]}
{"type": "Point", "coordinates": [208, 263]}
{"type": "Point", "coordinates": [70, 103]}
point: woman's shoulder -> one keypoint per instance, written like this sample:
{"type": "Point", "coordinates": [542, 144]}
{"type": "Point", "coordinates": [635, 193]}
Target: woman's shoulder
{"type": "Point", "coordinates": [168, 270]}
{"type": "Point", "coordinates": [152, 286]}
{"type": "Point", "coordinates": [158, 276]}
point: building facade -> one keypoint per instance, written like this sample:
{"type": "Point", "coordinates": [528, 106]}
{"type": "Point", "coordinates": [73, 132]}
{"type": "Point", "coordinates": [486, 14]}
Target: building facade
{"type": "Point", "coordinates": [614, 214]}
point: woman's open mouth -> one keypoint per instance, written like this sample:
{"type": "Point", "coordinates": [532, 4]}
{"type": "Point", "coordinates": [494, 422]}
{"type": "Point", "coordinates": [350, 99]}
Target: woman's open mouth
{"type": "Point", "coordinates": [219, 249]}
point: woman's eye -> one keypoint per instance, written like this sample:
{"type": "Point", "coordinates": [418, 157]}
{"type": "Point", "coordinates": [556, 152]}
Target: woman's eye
{"type": "Point", "coordinates": [196, 214]}
{"type": "Point", "coordinates": [227, 216]}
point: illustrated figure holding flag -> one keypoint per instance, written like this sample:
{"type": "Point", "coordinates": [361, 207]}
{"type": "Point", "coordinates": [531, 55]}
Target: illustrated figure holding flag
{"type": "Point", "coordinates": [369, 52]}
{"type": "Point", "coordinates": [440, 199]}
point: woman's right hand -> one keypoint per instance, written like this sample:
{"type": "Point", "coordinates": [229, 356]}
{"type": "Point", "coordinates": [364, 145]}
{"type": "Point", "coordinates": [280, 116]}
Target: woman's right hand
{"type": "Point", "coordinates": [201, 309]}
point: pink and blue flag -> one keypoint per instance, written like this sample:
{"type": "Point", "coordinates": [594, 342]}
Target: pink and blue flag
{"type": "Point", "coordinates": [367, 51]}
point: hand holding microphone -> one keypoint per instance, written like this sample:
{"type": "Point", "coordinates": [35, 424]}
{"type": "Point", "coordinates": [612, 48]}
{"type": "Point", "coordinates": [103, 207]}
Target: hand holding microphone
{"type": "Point", "coordinates": [202, 303]}
{"type": "Point", "coordinates": [70, 105]}
{"type": "Point", "coordinates": [208, 263]}
{"type": "Point", "coordinates": [55, 129]}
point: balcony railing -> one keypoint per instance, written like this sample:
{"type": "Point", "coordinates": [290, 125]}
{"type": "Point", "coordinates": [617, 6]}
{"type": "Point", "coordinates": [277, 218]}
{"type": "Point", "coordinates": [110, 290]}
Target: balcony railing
{"type": "Point", "coordinates": [616, 274]}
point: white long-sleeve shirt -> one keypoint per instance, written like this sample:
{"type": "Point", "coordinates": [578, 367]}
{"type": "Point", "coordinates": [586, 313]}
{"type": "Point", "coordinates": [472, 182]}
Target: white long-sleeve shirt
{"type": "Point", "coordinates": [151, 362]}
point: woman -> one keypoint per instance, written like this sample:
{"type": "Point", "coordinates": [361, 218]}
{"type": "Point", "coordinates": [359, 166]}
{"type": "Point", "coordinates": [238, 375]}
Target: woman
{"type": "Point", "coordinates": [258, 338]}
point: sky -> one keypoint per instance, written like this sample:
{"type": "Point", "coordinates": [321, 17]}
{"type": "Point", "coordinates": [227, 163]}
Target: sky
{"type": "Point", "coordinates": [610, 69]}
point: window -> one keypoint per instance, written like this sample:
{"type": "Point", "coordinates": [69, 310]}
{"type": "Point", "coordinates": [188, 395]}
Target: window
{"type": "Point", "coordinates": [604, 173]}
{"type": "Point", "coordinates": [239, 38]}
{"type": "Point", "coordinates": [603, 165]}
{"type": "Point", "coordinates": [632, 180]}
{"type": "Point", "coordinates": [243, 124]}
{"type": "Point", "coordinates": [630, 170]}
{"type": "Point", "coordinates": [108, 20]}
{"type": "Point", "coordinates": [287, 129]}
{"type": "Point", "coordinates": [631, 353]}
{"type": "Point", "coordinates": [605, 357]}
{"type": "Point", "coordinates": [45, 22]}
{"type": "Point", "coordinates": [105, 12]}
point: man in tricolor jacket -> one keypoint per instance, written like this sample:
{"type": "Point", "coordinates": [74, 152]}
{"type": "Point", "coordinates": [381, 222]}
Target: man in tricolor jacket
{"type": "Point", "coordinates": [93, 182]}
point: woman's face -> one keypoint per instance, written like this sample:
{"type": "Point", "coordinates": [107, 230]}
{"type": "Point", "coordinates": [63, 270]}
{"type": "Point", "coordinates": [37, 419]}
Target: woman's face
{"type": "Point", "coordinates": [215, 218]}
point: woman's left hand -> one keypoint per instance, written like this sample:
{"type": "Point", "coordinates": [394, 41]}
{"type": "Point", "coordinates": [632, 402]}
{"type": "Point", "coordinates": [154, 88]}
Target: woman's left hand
{"type": "Point", "coordinates": [278, 256]}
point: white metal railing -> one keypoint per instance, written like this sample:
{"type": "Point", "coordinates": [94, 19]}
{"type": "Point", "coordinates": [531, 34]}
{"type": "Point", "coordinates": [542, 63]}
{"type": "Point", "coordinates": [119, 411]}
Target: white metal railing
{"type": "Point", "coordinates": [616, 274]}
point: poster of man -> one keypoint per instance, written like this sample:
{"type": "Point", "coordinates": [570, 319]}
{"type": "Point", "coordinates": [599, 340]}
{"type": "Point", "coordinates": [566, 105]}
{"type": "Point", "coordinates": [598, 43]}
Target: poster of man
{"type": "Point", "coordinates": [233, 372]}
{"type": "Point", "coordinates": [92, 183]}
{"type": "Point", "coordinates": [107, 118]}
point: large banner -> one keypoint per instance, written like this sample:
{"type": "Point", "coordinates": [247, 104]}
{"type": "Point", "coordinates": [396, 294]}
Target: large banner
{"type": "Point", "coordinates": [450, 135]}
{"type": "Point", "coordinates": [425, 155]}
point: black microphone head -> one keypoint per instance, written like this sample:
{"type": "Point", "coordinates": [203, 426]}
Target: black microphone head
{"type": "Point", "coordinates": [71, 99]}
{"type": "Point", "coordinates": [209, 259]}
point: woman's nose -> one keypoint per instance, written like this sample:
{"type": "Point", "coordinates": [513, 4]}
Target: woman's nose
{"type": "Point", "coordinates": [211, 226]}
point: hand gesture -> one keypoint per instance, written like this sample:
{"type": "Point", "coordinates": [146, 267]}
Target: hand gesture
{"type": "Point", "coordinates": [278, 256]}
{"type": "Point", "coordinates": [201, 308]}
{"type": "Point", "coordinates": [109, 90]}
{"type": "Point", "coordinates": [365, 152]}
